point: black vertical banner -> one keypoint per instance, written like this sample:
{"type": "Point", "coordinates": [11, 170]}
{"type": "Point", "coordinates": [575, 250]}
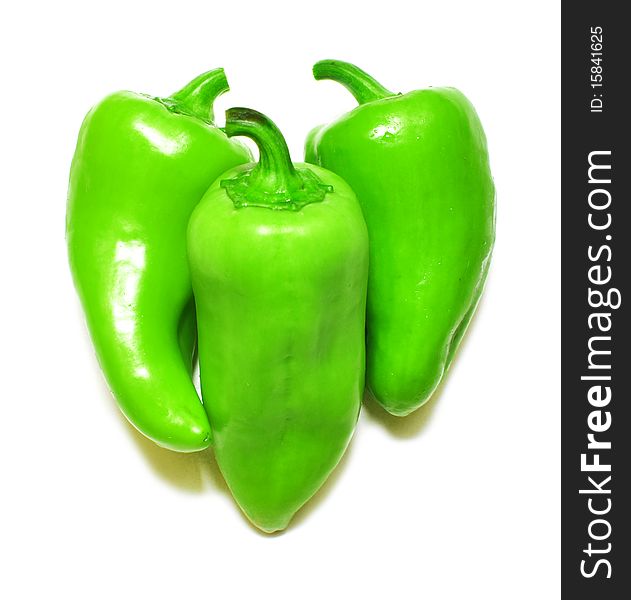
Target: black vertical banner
{"type": "Point", "coordinates": [596, 297]}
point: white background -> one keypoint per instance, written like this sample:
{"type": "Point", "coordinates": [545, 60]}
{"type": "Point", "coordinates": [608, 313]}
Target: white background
{"type": "Point", "coordinates": [460, 500]}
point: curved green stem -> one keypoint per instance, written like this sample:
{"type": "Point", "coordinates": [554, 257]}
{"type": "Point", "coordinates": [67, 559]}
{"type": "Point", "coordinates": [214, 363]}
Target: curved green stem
{"type": "Point", "coordinates": [357, 82]}
{"type": "Point", "coordinates": [197, 97]}
{"type": "Point", "coordinates": [273, 182]}
{"type": "Point", "coordinates": [274, 172]}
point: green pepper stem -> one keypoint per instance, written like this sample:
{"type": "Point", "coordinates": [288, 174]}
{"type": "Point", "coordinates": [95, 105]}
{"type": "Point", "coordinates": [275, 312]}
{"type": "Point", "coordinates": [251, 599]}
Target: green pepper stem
{"type": "Point", "coordinates": [274, 172]}
{"type": "Point", "coordinates": [363, 87]}
{"type": "Point", "coordinates": [197, 97]}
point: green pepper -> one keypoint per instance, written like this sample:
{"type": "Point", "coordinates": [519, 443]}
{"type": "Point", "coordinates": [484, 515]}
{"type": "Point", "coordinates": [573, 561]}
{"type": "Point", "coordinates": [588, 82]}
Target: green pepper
{"type": "Point", "coordinates": [140, 167]}
{"type": "Point", "coordinates": [279, 261]}
{"type": "Point", "coordinates": [418, 163]}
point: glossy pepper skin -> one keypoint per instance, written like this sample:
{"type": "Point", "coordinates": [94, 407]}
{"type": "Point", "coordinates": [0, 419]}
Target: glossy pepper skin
{"type": "Point", "coordinates": [418, 163]}
{"type": "Point", "coordinates": [140, 167]}
{"type": "Point", "coordinates": [279, 261]}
